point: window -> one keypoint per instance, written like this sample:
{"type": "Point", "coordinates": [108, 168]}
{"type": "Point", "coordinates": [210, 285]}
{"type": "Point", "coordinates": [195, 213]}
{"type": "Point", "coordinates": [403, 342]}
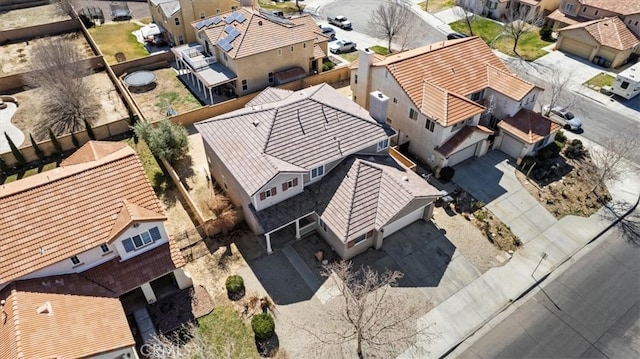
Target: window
{"type": "Point", "coordinates": [584, 9]}
{"type": "Point", "coordinates": [625, 85]}
{"type": "Point", "coordinates": [595, 13]}
{"type": "Point", "coordinates": [224, 54]}
{"type": "Point", "coordinates": [457, 126]}
{"type": "Point", "coordinates": [493, 5]}
{"type": "Point", "coordinates": [279, 52]}
{"type": "Point", "coordinates": [317, 172]}
{"type": "Point", "coordinates": [180, 39]}
{"type": "Point", "coordinates": [355, 79]}
{"type": "Point", "coordinates": [244, 85]}
{"type": "Point", "coordinates": [477, 96]}
{"type": "Point", "coordinates": [290, 183]}
{"type": "Point", "coordinates": [322, 225]}
{"type": "Point", "coordinates": [508, 5]}
{"type": "Point", "coordinates": [635, 24]}
{"type": "Point", "coordinates": [304, 45]}
{"type": "Point", "coordinates": [291, 48]}
{"type": "Point", "coordinates": [359, 239]}
{"type": "Point", "coordinates": [141, 240]}
{"type": "Point", "coordinates": [430, 125]}
{"type": "Point", "coordinates": [202, 15]}
{"type": "Point", "coordinates": [105, 248]}
{"type": "Point", "coordinates": [382, 145]}
{"type": "Point", "coordinates": [270, 77]}
{"type": "Point", "coordinates": [568, 7]}
{"type": "Point", "coordinates": [177, 21]}
{"type": "Point", "coordinates": [268, 193]}
{"type": "Point", "coordinates": [413, 114]}
{"type": "Point", "coordinates": [217, 11]}
{"type": "Point", "coordinates": [75, 260]}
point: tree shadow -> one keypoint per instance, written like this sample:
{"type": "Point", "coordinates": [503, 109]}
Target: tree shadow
{"type": "Point", "coordinates": [184, 169]}
{"type": "Point", "coordinates": [626, 219]}
{"type": "Point", "coordinates": [268, 347]}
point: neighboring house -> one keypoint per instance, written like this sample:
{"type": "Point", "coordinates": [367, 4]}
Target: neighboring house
{"type": "Point", "coordinates": [245, 51]}
{"type": "Point", "coordinates": [447, 98]}
{"type": "Point", "coordinates": [571, 12]}
{"type": "Point", "coordinates": [75, 239]}
{"type": "Point", "coordinates": [606, 42]}
{"type": "Point", "coordinates": [526, 132]}
{"type": "Point", "coordinates": [315, 159]}
{"type": "Point", "coordinates": [175, 16]}
{"type": "Point", "coordinates": [498, 8]}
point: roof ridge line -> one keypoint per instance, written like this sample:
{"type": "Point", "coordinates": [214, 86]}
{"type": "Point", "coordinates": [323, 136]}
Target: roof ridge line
{"type": "Point", "coordinates": [15, 310]}
{"type": "Point", "coordinates": [353, 196]}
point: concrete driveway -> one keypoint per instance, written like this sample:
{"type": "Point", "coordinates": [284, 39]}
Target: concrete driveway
{"type": "Point", "coordinates": [492, 180]}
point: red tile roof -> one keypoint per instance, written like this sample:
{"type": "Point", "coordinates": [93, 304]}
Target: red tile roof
{"type": "Point", "coordinates": [610, 32]}
{"type": "Point", "coordinates": [457, 139]}
{"type": "Point", "coordinates": [77, 319]}
{"type": "Point", "coordinates": [59, 213]}
{"type": "Point", "coordinates": [622, 7]}
{"type": "Point", "coordinates": [529, 126]}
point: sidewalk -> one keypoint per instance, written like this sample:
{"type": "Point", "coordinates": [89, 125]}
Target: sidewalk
{"type": "Point", "coordinates": [454, 319]}
{"type": "Point", "coordinates": [439, 20]}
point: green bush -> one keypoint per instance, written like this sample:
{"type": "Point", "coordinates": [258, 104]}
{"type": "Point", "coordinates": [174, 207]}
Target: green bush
{"type": "Point", "coordinates": [446, 173]}
{"type": "Point", "coordinates": [549, 151]}
{"type": "Point", "coordinates": [559, 144]}
{"type": "Point", "coordinates": [575, 149]}
{"type": "Point", "coordinates": [545, 33]}
{"type": "Point", "coordinates": [528, 161]}
{"type": "Point", "coordinates": [235, 286]}
{"type": "Point", "coordinates": [560, 136]}
{"type": "Point", "coordinates": [328, 65]}
{"type": "Point", "coordinates": [166, 140]}
{"type": "Point", "coordinates": [263, 326]}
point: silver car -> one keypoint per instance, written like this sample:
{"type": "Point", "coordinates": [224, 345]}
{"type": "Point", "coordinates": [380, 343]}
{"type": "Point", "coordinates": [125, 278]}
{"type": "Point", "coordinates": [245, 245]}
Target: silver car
{"type": "Point", "coordinates": [341, 46]}
{"type": "Point", "coordinates": [564, 116]}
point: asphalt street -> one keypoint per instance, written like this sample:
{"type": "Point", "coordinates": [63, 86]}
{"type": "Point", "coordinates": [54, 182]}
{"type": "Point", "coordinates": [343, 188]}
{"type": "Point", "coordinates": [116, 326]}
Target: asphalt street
{"type": "Point", "coordinates": [587, 309]}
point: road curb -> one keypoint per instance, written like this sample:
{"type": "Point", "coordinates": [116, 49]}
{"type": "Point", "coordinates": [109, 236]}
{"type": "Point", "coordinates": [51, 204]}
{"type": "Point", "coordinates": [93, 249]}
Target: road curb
{"type": "Point", "coordinates": [542, 279]}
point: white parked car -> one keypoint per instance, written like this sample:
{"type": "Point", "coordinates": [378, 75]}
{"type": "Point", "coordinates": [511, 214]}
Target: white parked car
{"type": "Point", "coordinates": [341, 46]}
{"type": "Point", "coordinates": [567, 119]}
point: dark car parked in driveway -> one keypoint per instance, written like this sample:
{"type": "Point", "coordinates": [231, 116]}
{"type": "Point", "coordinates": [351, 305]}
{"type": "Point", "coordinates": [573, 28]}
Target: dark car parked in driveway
{"type": "Point", "coordinates": [455, 35]}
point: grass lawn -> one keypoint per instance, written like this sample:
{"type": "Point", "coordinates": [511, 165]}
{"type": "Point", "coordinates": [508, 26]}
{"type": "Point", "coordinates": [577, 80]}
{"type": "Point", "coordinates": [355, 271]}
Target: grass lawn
{"type": "Point", "coordinates": [351, 56]}
{"type": "Point", "coordinates": [381, 50]}
{"type": "Point", "coordinates": [601, 80]}
{"type": "Point", "coordinates": [31, 172]}
{"type": "Point", "coordinates": [286, 7]}
{"type": "Point", "coordinates": [224, 327]}
{"type": "Point", "coordinates": [437, 5]}
{"type": "Point", "coordinates": [158, 179]}
{"type": "Point", "coordinates": [115, 38]}
{"type": "Point", "coordinates": [529, 46]}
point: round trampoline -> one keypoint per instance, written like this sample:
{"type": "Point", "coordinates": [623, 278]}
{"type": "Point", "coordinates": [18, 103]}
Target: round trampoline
{"type": "Point", "coordinates": [140, 81]}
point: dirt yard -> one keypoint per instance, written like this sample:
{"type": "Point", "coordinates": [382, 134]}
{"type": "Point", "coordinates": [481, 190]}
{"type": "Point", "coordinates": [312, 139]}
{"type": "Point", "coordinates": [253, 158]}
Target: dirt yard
{"type": "Point", "coordinates": [31, 16]}
{"type": "Point", "coordinates": [16, 58]}
{"type": "Point", "coordinates": [169, 92]}
{"type": "Point", "coordinates": [112, 108]}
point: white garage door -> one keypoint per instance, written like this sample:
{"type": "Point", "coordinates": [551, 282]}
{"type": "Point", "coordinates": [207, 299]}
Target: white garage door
{"type": "Point", "coordinates": [576, 47]}
{"type": "Point", "coordinates": [403, 222]}
{"type": "Point", "coordinates": [511, 146]}
{"type": "Point", "coordinates": [462, 155]}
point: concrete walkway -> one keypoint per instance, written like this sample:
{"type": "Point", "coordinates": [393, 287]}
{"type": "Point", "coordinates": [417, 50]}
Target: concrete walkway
{"type": "Point", "coordinates": [547, 243]}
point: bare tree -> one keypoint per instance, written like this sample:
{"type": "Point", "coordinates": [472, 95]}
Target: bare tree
{"type": "Point", "coordinates": [467, 10]}
{"type": "Point", "coordinates": [367, 319]}
{"type": "Point", "coordinates": [518, 20]}
{"type": "Point", "coordinates": [60, 73]}
{"type": "Point", "coordinates": [609, 159]}
{"type": "Point", "coordinates": [390, 21]}
{"type": "Point", "coordinates": [66, 6]}
{"type": "Point", "coordinates": [555, 84]}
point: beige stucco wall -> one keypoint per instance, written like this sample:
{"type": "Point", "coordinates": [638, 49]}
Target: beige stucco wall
{"type": "Point", "coordinates": [633, 23]}
{"type": "Point", "coordinates": [193, 10]}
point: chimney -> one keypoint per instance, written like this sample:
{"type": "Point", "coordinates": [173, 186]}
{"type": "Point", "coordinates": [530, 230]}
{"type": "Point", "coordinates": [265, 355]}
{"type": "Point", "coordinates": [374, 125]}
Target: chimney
{"type": "Point", "coordinates": [378, 105]}
{"type": "Point", "coordinates": [365, 60]}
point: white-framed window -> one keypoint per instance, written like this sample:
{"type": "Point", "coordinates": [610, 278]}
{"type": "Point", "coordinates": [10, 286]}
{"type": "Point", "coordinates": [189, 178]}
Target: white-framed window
{"type": "Point", "coordinates": [383, 145]}
{"type": "Point", "coordinates": [359, 239]}
{"type": "Point", "coordinates": [289, 184]}
{"type": "Point", "coordinates": [321, 224]}
{"type": "Point", "coordinates": [180, 39]}
{"type": "Point", "coordinates": [105, 248]}
{"type": "Point", "coordinates": [584, 9]}
{"type": "Point", "coordinates": [457, 126]}
{"type": "Point", "coordinates": [291, 48]}
{"type": "Point", "coordinates": [177, 21]}
{"type": "Point", "coordinates": [430, 124]}
{"type": "Point", "coordinates": [624, 85]}
{"type": "Point", "coordinates": [268, 193]}
{"type": "Point", "coordinates": [244, 85]}
{"type": "Point", "coordinates": [413, 114]}
{"type": "Point", "coordinates": [270, 77]}
{"type": "Point", "coordinates": [595, 13]}
{"type": "Point", "coordinates": [317, 172]}
{"type": "Point", "coordinates": [141, 240]}
{"type": "Point", "coordinates": [493, 5]}
{"type": "Point", "coordinates": [304, 45]}
{"type": "Point", "coordinates": [75, 260]}
{"type": "Point", "coordinates": [217, 11]}
{"type": "Point", "coordinates": [279, 52]}
{"type": "Point", "coordinates": [202, 15]}
{"type": "Point", "coordinates": [224, 55]}
{"type": "Point", "coordinates": [568, 7]}
{"type": "Point", "coordinates": [355, 79]}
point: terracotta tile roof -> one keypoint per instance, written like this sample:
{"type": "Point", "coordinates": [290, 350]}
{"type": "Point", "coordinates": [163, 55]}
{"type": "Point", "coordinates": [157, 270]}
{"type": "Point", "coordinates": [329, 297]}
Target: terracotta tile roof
{"type": "Point", "coordinates": [453, 143]}
{"type": "Point", "coordinates": [119, 277]}
{"type": "Point", "coordinates": [360, 194]}
{"type": "Point", "coordinates": [442, 65]}
{"type": "Point", "coordinates": [622, 7]}
{"type": "Point", "coordinates": [252, 39]}
{"type": "Point", "coordinates": [83, 319]}
{"type": "Point", "coordinates": [558, 15]}
{"type": "Point", "coordinates": [447, 108]}
{"type": "Point", "coordinates": [308, 128]}
{"type": "Point", "coordinates": [318, 53]}
{"type": "Point", "coordinates": [65, 211]}
{"type": "Point", "coordinates": [531, 2]}
{"type": "Point", "coordinates": [610, 32]}
{"type": "Point", "coordinates": [529, 126]}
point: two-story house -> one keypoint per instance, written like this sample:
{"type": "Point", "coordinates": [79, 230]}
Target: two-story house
{"type": "Point", "coordinates": [175, 16]}
{"type": "Point", "coordinates": [604, 32]}
{"type": "Point", "coordinates": [313, 159]}
{"type": "Point", "coordinates": [447, 97]}
{"type": "Point", "coordinates": [498, 8]}
{"type": "Point", "coordinates": [247, 50]}
{"type": "Point", "coordinates": [75, 240]}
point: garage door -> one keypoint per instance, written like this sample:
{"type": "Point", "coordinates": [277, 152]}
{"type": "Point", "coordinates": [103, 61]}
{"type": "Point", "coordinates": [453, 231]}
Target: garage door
{"type": "Point", "coordinates": [462, 155]}
{"type": "Point", "coordinates": [511, 146]}
{"type": "Point", "coordinates": [576, 47]}
{"type": "Point", "coordinates": [403, 222]}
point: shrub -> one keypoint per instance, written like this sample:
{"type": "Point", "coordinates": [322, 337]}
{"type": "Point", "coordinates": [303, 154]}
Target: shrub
{"type": "Point", "coordinates": [328, 65]}
{"type": "Point", "coordinates": [559, 145]}
{"type": "Point", "coordinates": [446, 173]}
{"type": "Point", "coordinates": [235, 286]}
{"type": "Point", "coordinates": [549, 151]}
{"type": "Point", "coordinates": [545, 33]}
{"type": "Point", "coordinates": [575, 149]}
{"type": "Point", "coordinates": [560, 136]}
{"type": "Point", "coordinates": [263, 326]}
{"type": "Point", "coordinates": [166, 140]}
